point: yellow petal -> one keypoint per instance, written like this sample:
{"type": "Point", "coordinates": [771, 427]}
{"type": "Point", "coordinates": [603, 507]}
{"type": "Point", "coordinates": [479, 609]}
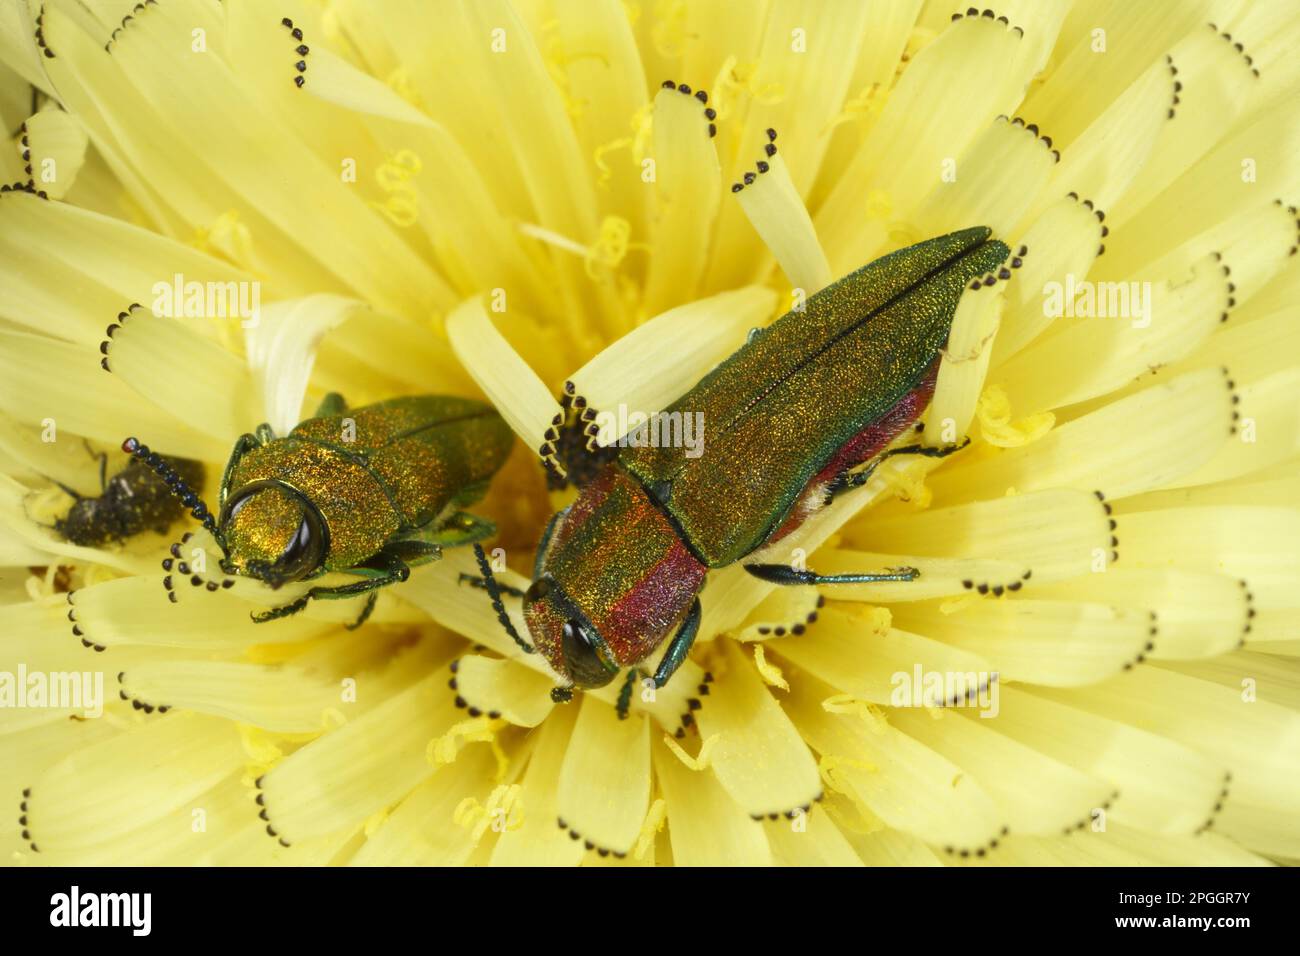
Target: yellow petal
{"type": "Point", "coordinates": [706, 826]}
{"type": "Point", "coordinates": [759, 757]}
{"type": "Point", "coordinates": [539, 840]}
{"type": "Point", "coordinates": [604, 788]}
{"type": "Point", "coordinates": [58, 148]}
{"type": "Point", "coordinates": [905, 784]}
{"type": "Point", "coordinates": [504, 689]}
{"type": "Point", "coordinates": [112, 787]}
{"type": "Point", "coordinates": [688, 186]}
{"type": "Point", "coordinates": [342, 778]}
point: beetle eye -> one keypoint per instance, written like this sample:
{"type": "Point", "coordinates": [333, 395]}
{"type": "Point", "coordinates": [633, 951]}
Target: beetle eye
{"type": "Point", "coordinates": [305, 551]}
{"type": "Point", "coordinates": [584, 653]}
{"type": "Point", "coordinates": [538, 590]}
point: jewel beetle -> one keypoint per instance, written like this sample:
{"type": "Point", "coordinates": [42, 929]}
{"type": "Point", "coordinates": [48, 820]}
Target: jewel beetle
{"type": "Point", "coordinates": [803, 412]}
{"type": "Point", "coordinates": [133, 501]}
{"type": "Point", "coordinates": [369, 492]}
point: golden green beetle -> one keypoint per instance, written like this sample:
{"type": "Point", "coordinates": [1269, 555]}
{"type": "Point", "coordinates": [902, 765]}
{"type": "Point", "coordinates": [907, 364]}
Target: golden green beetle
{"type": "Point", "coordinates": [369, 492]}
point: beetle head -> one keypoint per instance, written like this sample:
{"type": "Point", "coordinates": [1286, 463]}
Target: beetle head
{"type": "Point", "coordinates": [565, 637]}
{"type": "Point", "coordinates": [81, 523]}
{"type": "Point", "coordinates": [270, 532]}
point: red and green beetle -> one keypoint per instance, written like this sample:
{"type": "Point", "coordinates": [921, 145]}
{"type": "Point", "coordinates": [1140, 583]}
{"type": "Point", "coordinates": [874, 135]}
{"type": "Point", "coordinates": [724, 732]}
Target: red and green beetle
{"type": "Point", "coordinates": [802, 413]}
{"type": "Point", "coordinates": [369, 492]}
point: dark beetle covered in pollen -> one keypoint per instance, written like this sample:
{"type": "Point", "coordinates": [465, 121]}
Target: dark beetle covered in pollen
{"type": "Point", "coordinates": [133, 501]}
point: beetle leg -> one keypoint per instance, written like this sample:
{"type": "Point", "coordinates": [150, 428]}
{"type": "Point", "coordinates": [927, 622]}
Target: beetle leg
{"type": "Point", "coordinates": [542, 545]}
{"type": "Point", "coordinates": [70, 492]}
{"type": "Point", "coordinates": [784, 574]}
{"type": "Point", "coordinates": [477, 582]}
{"type": "Point", "coordinates": [332, 404]}
{"type": "Point", "coordinates": [365, 612]}
{"type": "Point", "coordinates": [395, 572]}
{"type": "Point", "coordinates": [680, 645]}
{"type": "Point", "coordinates": [460, 529]}
{"type": "Point", "coordinates": [625, 694]}
{"type": "Point", "coordinates": [244, 443]}
{"type": "Point", "coordinates": [847, 481]}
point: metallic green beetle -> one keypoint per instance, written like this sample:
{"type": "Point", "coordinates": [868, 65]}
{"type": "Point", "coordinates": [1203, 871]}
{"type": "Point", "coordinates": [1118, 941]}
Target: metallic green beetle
{"type": "Point", "coordinates": [791, 416]}
{"type": "Point", "coordinates": [369, 492]}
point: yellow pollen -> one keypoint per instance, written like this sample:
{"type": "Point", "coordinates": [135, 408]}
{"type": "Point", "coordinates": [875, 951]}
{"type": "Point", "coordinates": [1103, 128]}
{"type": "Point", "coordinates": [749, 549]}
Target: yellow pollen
{"type": "Point", "coordinates": [856, 706]}
{"type": "Point", "coordinates": [394, 175]}
{"type": "Point", "coordinates": [994, 412]}
{"type": "Point", "coordinates": [504, 804]}
{"type": "Point", "coordinates": [700, 762]}
{"type": "Point", "coordinates": [610, 247]}
{"type": "Point", "coordinates": [259, 746]}
{"type": "Point", "coordinates": [878, 619]}
{"type": "Point", "coordinates": [770, 673]}
{"type": "Point", "coordinates": [476, 730]}
{"type": "Point", "coordinates": [599, 156]}
{"type": "Point", "coordinates": [669, 32]}
{"type": "Point", "coordinates": [909, 484]}
{"type": "Point", "coordinates": [831, 768]}
{"type": "Point", "coordinates": [229, 239]}
{"type": "Point", "coordinates": [399, 81]}
{"type": "Point", "coordinates": [655, 818]}
{"type": "Point", "coordinates": [866, 104]}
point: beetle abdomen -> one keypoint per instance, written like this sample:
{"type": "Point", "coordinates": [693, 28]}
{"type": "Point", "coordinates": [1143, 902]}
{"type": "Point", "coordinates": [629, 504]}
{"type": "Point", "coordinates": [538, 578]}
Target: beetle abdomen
{"type": "Point", "coordinates": [863, 447]}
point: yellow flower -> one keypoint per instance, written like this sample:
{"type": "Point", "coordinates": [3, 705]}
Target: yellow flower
{"type": "Point", "coordinates": [1098, 662]}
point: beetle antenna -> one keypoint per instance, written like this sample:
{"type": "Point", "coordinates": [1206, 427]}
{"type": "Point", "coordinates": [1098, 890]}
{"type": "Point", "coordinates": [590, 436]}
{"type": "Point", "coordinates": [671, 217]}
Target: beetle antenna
{"type": "Point", "coordinates": [175, 483]}
{"type": "Point", "coordinates": [494, 591]}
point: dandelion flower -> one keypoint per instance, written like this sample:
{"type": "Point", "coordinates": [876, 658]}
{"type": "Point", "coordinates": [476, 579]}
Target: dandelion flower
{"type": "Point", "coordinates": [573, 209]}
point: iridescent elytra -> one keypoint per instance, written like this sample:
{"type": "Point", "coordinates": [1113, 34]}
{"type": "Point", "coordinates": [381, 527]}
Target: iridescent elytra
{"type": "Point", "coordinates": [370, 492]}
{"type": "Point", "coordinates": [791, 419]}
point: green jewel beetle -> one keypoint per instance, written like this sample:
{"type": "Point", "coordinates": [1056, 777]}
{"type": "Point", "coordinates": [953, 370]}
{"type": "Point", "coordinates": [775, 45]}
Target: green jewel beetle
{"type": "Point", "coordinates": [368, 492]}
{"type": "Point", "coordinates": [791, 417]}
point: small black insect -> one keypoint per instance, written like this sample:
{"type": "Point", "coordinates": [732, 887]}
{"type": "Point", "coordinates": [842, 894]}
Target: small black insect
{"type": "Point", "coordinates": [132, 501]}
